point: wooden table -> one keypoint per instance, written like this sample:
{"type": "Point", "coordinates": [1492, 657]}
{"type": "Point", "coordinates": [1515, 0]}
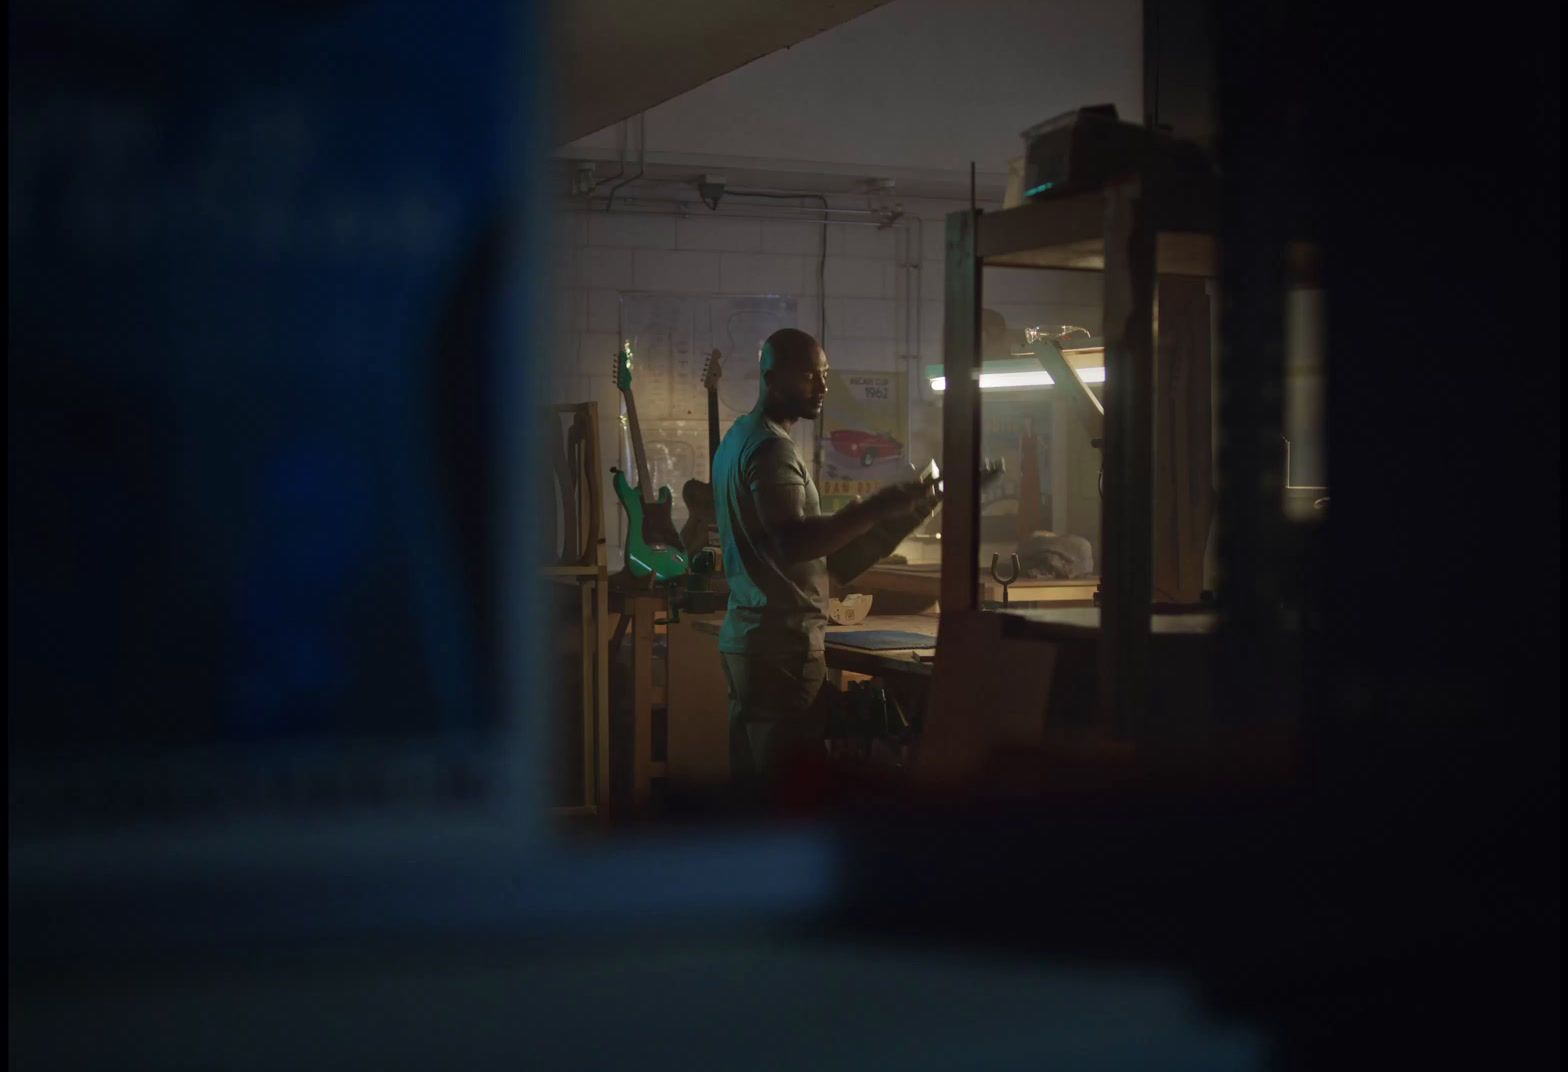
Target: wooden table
{"type": "Point", "coordinates": [922, 583]}
{"type": "Point", "coordinates": [859, 661]}
{"type": "Point", "coordinates": [1085, 621]}
{"type": "Point", "coordinates": [641, 612]}
{"type": "Point", "coordinates": [698, 748]}
{"type": "Point", "coordinates": [1063, 622]}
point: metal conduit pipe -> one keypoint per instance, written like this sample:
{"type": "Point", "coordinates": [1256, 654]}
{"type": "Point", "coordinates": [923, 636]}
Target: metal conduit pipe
{"type": "Point", "coordinates": [640, 206]}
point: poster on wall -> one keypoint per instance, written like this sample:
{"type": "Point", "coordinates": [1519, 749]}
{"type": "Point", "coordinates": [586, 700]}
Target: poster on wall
{"type": "Point", "coordinates": [865, 438]}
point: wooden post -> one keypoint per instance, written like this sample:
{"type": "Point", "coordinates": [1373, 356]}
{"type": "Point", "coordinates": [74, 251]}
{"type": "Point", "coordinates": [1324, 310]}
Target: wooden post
{"type": "Point", "coordinates": [961, 417]}
{"type": "Point", "coordinates": [641, 608]}
{"type": "Point", "coordinates": [1183, 454]}
{"type": "Point", "coordinates": [591, 631]}
{"type": "Point", "coordinates": [1127, 566]}
{"type": "Point", "coordinates": [602, 682]}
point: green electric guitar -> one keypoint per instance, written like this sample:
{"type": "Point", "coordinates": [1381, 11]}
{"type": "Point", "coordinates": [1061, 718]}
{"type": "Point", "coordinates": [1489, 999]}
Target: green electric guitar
{"type": "Point", "coordinates": [653, 547]}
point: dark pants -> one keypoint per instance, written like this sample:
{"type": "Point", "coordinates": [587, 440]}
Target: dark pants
{"type": "Point", "coordinates": [772, 714]}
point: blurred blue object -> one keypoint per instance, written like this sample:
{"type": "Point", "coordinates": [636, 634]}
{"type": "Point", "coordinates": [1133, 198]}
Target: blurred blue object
{"type": "Point", "coordinates": [255, 256]}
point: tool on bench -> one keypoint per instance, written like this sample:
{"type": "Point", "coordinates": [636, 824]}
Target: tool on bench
{"type": "Point", "coordinates": [1007, 581]}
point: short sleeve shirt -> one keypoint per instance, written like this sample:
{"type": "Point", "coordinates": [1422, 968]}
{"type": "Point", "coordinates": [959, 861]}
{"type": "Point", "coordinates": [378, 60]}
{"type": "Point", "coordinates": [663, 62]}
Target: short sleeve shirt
{"type": "Point", "coordinates": [775, 608]}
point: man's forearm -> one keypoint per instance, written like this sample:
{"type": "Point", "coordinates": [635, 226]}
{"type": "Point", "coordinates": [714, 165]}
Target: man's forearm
{"type": "Point", "coordinates": [817, 537]}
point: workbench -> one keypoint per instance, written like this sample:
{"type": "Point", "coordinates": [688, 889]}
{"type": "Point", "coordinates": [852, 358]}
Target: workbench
{"type": "Point", "coordinates": [921, 583]}
{"type": "Point", "coordinates": [697, 742]}
{"type": "Point", "coordinates": [856, 660]}
{"type": "Point", "coordinates": [698, 726]}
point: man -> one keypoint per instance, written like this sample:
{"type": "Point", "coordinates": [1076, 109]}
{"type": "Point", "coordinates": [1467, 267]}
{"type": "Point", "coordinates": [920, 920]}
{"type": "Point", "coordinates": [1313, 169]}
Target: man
{"type": "Point", "coordinates": [776, 541]}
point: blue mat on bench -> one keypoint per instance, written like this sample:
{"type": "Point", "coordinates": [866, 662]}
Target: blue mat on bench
{"type": "Point", "coordinates": [880, 640]}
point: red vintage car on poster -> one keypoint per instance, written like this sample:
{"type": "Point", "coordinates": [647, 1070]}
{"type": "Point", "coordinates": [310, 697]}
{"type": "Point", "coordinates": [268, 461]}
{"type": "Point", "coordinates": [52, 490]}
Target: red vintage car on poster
{"type": "Point", "coordinates": [868, 447]}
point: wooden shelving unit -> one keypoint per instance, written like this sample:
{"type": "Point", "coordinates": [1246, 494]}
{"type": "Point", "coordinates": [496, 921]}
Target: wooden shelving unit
{"type": "Point", "coordinates": [1142, 236]}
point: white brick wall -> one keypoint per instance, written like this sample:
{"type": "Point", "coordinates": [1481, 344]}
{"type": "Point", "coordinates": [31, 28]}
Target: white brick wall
{"type": "Point", "coordinates": [872, 355]}
{"type": "Point", "coordinates": [743, 236]}
{"type": "Point", "coordinates": [801, 238]}
{"type": "Point", "coordinates": [862, 318]}
{"type": "Point", "coordinates": [610, 268]}
{"type": "Point", "coordinates": [858, 240]}
{"type": "Point", "coordinates": [624, 230]}
{"type": "Point", "coordinates": [683, 271]}
{"type": "Point", "coordinates": [603, 310]}
{"type": "Point", "coordinates": [861, 277]}
{"type": "Point", "coordinates": [764, 273]}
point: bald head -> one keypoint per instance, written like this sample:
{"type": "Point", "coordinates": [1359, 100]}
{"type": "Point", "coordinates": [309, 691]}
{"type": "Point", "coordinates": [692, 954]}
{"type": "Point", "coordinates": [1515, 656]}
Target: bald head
{"type": "Point", "coordinates": [794, 375]}
{"type": "Point", "coordinates": [789, 348]}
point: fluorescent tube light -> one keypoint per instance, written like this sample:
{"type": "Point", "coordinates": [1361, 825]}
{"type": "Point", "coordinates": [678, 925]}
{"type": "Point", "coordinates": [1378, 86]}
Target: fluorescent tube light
{"type": "Point", "coordinates": [1002, 381]}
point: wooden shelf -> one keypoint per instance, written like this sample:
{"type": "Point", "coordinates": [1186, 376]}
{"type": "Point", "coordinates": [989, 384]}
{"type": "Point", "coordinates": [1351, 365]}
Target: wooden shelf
{"type": "Point", "coordinates": [556, 572]}
{"type": "Point", "coordinates": [1069, 233]}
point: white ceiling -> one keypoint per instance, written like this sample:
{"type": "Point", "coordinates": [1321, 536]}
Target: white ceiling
{"type": "Point", "coordinates": [615, 58]}
{"type": "Point", "coordinates": [913, 90]}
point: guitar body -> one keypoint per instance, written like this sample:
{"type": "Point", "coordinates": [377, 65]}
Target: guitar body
{"type": "Point", "coordinates": [652, 544]}
{"type": "Point", "coordinates": [702, 519]}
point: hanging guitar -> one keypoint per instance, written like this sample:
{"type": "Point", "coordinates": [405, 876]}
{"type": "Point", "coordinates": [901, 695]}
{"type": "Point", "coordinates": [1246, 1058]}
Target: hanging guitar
{"type": "Point", "coordinates": [702, 521]}
{"type": "Point", "coordinates": [653, 547]}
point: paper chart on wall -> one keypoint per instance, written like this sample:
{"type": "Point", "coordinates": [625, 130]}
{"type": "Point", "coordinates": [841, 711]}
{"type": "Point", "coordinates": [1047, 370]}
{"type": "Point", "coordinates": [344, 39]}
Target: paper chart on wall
{"type": "Point", "coordinates": [672, 336]}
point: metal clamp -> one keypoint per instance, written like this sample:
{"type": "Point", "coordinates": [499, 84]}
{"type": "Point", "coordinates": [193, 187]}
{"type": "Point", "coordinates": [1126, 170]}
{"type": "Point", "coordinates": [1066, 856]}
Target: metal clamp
{"type": "Point", "coordinates": [1009, 579]}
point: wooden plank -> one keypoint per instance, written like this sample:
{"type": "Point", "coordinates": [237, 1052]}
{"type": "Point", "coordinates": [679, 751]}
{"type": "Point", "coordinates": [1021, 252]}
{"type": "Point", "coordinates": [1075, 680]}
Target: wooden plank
{"type": "Point", "coordinates": [1086, 256]}
{"type": "Point", "coordinates": [880, 663]}
{"type": "Point", "coordinates": [1053, 224]}
{"type": "Point", "coordinates": [570, 572]}
{"type": "Point", "coordinates": [698, 751]}
{"type": "Point", "coordinates": [989, 697]}
{"type": "Point", "coordinates": [1183, 441]}
{"type": "Point", "coordinates": [1178, 253]}
{"type": "Point", "coordinates": [1127, 567]}
{"type": "Point", "coordinates": [642, 611]}
{"type": "Point", "coordinates": [602, 683]}
{"type": "Point", "coordinates": [926, 582]}
{"type": "Point", "coordinates": [961, 416]}
{"type": "Point", "coordinates": [1029, 590]}
{"type": "Point", "coordinates": [590, 630]}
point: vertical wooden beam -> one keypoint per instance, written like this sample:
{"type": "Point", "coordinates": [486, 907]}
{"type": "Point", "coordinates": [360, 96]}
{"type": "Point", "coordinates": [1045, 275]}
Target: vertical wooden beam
{"type": "Point", "coordinates": [1183, 454]}
{"type": "Point", "coordinates": [1126, 533]}
{"type": "Point", "coordinates": [589, 632]}
{"type": "Point", "coordinates": [961, 417]}
{"type": "Point", "coordinates": [602, 681]}
{"type": "Point", "coordinates": [641, 608]}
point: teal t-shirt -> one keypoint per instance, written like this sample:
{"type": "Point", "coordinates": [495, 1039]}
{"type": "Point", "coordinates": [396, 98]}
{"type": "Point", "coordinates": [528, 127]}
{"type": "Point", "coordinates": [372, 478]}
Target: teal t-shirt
{"type": "Point", "coordinates": [775, 608]}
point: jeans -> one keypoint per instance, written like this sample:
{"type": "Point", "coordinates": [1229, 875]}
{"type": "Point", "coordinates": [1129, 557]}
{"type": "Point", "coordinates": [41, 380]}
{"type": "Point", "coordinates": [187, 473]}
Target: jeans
{"type": "Point", "coordinates": [772, 713]}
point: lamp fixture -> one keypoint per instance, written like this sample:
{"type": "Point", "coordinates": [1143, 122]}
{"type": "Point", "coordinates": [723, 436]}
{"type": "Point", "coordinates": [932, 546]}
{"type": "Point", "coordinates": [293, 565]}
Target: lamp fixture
{"type": "Point", "coordinates": [1021, 375]}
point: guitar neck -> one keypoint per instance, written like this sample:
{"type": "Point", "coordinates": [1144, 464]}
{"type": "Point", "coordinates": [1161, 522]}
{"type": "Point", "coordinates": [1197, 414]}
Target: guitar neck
{"type": "Point", "coordinates": [713, 428]}
{"type": "Point", "coordinates": [644, 482]}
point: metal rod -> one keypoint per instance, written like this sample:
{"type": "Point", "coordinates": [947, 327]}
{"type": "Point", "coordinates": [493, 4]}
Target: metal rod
{"type": "Point", "coordinates": [783, 212]}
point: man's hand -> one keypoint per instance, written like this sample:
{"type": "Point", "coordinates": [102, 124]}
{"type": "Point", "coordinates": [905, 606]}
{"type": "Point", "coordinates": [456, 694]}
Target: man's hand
{"type": "Point", "coordinates": [897, 501]}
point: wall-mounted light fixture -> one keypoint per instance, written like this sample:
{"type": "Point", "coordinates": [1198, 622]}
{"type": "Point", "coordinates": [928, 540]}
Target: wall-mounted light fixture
{"type": "Point", "coordinates": [1022, 374]}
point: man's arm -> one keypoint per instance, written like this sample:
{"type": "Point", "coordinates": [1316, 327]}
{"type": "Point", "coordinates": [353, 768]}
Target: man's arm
{"type": "Point", "coordinates": [798, 538]}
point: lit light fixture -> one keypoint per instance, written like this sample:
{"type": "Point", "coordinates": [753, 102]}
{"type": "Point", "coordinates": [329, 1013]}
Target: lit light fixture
{"type": "Point", "coordinates": [1021, 370]}
{"type": "Point", "coordinates": [1003, 381]}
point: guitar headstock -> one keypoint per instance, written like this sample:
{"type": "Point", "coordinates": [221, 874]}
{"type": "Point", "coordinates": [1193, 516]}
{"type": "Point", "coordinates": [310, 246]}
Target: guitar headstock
{"type": "Point", "coordinates": [623, 367]}
{"type": "Point", "coordinates": [712, 369]}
